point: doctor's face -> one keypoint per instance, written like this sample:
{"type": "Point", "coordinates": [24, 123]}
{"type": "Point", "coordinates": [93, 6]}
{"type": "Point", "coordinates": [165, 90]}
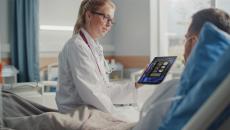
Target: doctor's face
{"type": "Point", "coordinates": [101, 21]}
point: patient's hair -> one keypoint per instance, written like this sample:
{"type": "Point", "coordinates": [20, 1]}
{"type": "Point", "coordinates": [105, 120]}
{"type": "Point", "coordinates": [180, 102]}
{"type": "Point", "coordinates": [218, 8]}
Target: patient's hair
{"type": "Point", "coordinates": [89, 5]}
{"type": "Point", "coordinates": [213, 15]}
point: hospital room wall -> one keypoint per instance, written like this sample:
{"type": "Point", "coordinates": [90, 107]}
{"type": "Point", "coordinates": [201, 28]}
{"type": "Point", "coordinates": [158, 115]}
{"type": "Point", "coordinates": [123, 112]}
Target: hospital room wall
{"type": "Point", "coordinates": [131, 34]}
{"type": "Point", "coordinates": [4, 31]}
{"type": "Point", "coordinates": [63, 14]}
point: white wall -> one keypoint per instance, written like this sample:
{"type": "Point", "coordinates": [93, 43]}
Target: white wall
{"type": "Point", "coordinates": [4, 29]}
{"type": "Point", "coordinates": [223, 4]}
{"type": "Point", "coordinates": [131, 33]}
{"type": "Point", "coordinates": [107, 43]}
{"type": "Point", "coordinates": [154, 28]}
{"type": "Point", "coordinates": [56, 13]}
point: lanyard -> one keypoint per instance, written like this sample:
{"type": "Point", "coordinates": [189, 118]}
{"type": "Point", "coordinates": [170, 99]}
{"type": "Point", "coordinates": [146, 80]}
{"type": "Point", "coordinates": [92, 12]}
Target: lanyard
{"type": "Point", "coordinates": [86, 41]}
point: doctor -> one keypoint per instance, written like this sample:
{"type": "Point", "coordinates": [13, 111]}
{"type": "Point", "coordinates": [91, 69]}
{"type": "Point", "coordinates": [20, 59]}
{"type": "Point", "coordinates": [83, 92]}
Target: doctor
{"type": "Point", "coordinates": [82, 68]}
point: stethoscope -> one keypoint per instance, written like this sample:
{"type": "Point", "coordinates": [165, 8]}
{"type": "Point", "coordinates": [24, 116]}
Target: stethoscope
{"type": "Point", "coordinates": [108, 69]}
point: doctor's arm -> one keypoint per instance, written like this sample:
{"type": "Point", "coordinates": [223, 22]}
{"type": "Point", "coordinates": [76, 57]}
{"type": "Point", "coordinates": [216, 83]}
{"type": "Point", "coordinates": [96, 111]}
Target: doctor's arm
{"type": "Point", "coordinates": [125, 91]}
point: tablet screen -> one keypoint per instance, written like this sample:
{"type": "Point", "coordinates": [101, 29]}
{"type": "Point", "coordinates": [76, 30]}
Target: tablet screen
{"type": "Point", "coordinates": [157, 70]}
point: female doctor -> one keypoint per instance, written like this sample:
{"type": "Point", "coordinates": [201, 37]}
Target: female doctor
{"type": "Point", "coordinates": [83, 76]}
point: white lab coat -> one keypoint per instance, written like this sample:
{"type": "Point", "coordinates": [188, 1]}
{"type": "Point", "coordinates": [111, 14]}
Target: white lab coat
{"type": "Point", "coordinates": [80, 81]}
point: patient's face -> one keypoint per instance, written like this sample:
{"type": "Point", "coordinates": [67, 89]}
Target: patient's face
{"type": "Point", "coordinates": [190, 40]}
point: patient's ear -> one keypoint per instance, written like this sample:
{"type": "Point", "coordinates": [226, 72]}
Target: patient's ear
{"type": "Point", "coordinates": [194, 40]}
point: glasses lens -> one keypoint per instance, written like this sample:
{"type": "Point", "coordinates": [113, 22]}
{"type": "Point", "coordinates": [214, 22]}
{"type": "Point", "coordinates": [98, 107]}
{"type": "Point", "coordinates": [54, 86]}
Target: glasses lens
{"type": "Point", "coordinates": [105, 18]}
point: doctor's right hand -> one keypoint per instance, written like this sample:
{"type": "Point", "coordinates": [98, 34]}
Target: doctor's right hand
{"type": "Point", "coordinates": [137, 85]}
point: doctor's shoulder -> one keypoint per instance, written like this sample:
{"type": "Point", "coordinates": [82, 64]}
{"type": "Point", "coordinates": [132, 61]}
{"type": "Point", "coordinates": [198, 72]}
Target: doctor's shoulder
{"type": "Point", "coordinates": [75, 42]}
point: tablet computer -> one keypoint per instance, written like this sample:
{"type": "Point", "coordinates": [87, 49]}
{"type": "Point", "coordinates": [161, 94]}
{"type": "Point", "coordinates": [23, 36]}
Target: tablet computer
{"type": "Point", "coordinates": [157, 70]}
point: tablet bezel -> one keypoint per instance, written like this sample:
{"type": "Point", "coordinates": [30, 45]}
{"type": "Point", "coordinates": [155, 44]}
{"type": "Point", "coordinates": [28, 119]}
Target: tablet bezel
{"type": "Point", "coordinates": [145, 79]}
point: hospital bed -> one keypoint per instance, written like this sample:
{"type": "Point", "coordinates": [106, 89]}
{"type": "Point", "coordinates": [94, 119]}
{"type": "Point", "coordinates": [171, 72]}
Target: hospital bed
{"type": "Point", "coordinates": [35, 92]}
{"type": "Point", "coordinates": [216, 103]}
{"type": "Point", "coordinates": [39, 92]}
{"type": "Point", "coordinates": [219, 100]}
{"type": "Point", "coordinates": [52, 118]}
{"type": "Point", "coordinates": [200, 121]}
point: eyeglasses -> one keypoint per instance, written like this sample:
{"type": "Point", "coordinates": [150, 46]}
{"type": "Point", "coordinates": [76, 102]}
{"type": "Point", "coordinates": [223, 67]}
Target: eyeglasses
{"type": "Point", "coordinates": [105, 17]}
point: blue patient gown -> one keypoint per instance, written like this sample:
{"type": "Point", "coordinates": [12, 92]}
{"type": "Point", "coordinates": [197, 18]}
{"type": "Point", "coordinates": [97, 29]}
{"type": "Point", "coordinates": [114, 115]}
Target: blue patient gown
{"type": "Point", "coordinates": [157, 105]}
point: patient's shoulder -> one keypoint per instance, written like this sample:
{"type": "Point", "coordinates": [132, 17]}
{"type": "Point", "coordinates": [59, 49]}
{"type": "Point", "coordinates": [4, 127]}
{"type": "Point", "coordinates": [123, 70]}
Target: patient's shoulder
{"type": "Point", "coordinates": [170, 84]}
{"type": "Point", "coordinates": [166, 89]}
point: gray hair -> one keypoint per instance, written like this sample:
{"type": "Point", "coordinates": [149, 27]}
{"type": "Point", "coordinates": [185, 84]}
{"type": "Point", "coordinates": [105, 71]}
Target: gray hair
{"type": "Point", "coordinates": [213, 15]}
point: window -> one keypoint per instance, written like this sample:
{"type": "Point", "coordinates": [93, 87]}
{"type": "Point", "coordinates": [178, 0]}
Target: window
{"type": "Point", "coordinates": [223, 4]}
{"type": "Point", "coordinates": [175, 16]}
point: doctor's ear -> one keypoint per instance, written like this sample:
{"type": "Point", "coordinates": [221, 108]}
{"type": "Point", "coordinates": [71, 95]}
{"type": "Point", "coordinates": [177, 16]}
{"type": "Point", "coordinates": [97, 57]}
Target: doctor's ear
{"type": "Point", "coordinates": [88, 15]}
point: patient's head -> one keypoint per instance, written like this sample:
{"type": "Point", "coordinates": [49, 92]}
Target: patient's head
{"type": "Point", "coordinates": [215, 16]}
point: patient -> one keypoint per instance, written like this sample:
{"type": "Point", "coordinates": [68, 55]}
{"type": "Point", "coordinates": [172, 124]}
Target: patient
{"type": "Point", "coordinates": [150, 119]}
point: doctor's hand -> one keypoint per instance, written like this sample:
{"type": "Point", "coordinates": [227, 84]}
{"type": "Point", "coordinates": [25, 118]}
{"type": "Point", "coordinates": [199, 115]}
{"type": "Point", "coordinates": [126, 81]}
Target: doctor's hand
{"type": "Point", "coordinates": [137, 85]}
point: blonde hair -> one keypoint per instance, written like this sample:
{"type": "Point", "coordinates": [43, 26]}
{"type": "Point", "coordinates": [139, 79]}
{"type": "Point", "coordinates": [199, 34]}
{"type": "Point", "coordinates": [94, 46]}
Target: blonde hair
{"type": "Point", "coordinates": [88, 5]}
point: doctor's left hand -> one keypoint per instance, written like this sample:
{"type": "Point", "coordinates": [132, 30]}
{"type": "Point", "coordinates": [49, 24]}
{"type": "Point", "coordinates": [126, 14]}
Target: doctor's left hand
{"type": "Point", "coordinates": [137, 85]}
